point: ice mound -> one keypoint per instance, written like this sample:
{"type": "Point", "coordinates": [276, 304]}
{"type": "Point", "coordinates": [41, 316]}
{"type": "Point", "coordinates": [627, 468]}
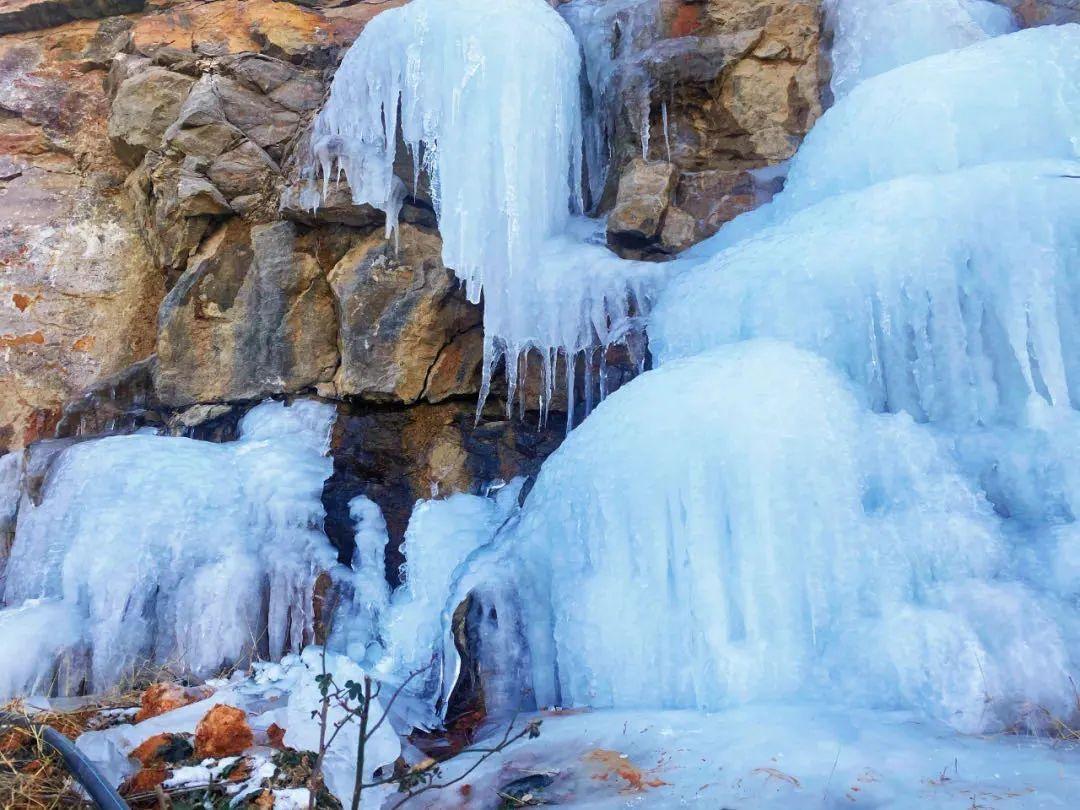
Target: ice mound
{"type": "Point", "coordinates": [768, 536]}
{"type": "Point", "coordinates": [952, 297]}
{"type": "Point", "coordinates": [169, 550]}
{"type": "Point", "coordinates": [497, 128]}
{"type": "Point", "coordinates": [1010, 98]}
{"type": "Point", "coordinates": [409, 633]}
{"type": "Point", "coordinates": [875, 36]}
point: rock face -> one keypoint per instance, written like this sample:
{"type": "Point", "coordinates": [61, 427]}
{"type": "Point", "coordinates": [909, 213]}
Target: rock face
{"type": "Point", "coordinates": [733, 86]}
{"type": "Point", "coordinates": [249, 317]}
{"type": "Point", "coordinates": [406, 331]}
{"type": "Point", "coordinates": [77, 291]}
{"type": "Point", "coordinates": [125, 145]}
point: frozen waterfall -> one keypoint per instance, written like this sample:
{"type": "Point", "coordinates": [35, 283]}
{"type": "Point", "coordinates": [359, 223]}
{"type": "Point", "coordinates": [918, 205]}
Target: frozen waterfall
{"type": "Point", "coordinates": [156, 550]}
{"type": "Point", "coordinates": [771, 537]}
{"type": "Point", "coordinates": [497, 129]}
{"type": "Point", "coordinates": [852, 476]}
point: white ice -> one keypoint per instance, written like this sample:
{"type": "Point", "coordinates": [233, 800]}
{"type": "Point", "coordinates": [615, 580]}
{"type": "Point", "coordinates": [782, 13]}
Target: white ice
{"type": "Point", "coordinates": [170, 550]}
{"type": "Point", "coordinates": [953, 297]}
{"type": "Point", "coordinates": [613, 35]}
{"type": "Point", "coordinates": [771, 757]}
{"type": "Point", "coordinates": [495, 124]}
{"type": "Point", "coordinates": [412, 629]}
{"type": "Point", "coordinates": [771, 537]}
{"type": "Point", "coordinates": [875, 36]}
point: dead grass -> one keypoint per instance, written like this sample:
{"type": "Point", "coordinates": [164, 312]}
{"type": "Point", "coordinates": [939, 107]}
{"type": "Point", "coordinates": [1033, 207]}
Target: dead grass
{"type": "Point", "coordinates": [32, 775]}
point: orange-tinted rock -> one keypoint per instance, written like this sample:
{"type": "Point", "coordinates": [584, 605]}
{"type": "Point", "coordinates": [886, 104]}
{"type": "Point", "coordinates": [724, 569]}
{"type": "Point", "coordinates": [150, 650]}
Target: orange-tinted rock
{"type": "Point", "coordinates": [275, 735]}
{"type": "Point", "coordinates": [164, 697]}
{"type": "Point", "coordinates": [144, 781]}
{"type": "Point", "coordinates": [223, 732]}
{"type": "Point", "coordinates": [160, 749]}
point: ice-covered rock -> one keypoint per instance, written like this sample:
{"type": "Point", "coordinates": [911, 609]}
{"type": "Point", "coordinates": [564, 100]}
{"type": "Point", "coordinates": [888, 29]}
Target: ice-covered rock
{"type": "Point", "coordinates": [158, 549]}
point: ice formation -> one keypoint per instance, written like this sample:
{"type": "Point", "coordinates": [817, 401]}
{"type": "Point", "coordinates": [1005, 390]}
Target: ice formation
{"type": "Point", "coordinates": [874, 36]}
{"type": "Point", "coordinates": [1009, 98]}
{"type": "Point", "coordinates": [408, 635]}
{"type": "Point", "coordinates": [809, 547]}
{"type": "Point", "coordinates": [156, 549]}
{"type": "Point", "coordinates": [496, 128]}
{"type": "Point", "coordinates": [613, 36]}
{"type": "Point", "coordinates": [957, 311]}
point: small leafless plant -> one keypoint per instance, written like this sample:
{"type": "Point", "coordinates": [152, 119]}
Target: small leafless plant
{"type": "Point", "coordinates": [358, 702]}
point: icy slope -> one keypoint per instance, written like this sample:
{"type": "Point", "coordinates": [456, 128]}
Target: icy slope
{"type": "Point", "coordinates": [954, 297]}
{"type": "Point", "coordinates": [875, 36]}
{"type": "Point", "coordinates": [771, 758]}
{"type": "Point", "coordinates": [768, 537]}
{"type": "Point", "coordinates": [169, 550]}
{"type": "Point", "coordinates": [1009, 98]}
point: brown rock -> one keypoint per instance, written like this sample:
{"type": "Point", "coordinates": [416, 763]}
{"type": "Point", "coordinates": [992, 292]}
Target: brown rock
{"type": "Point", "coordinates": [247, 169]}
{"type": "Point", "coordinates": [223, 732]}
{"type": "Point", "coordinates": [144, 107]}
{"type": "Point", "coordinates": [645, 192]}
{"type": "Point", "coordinates": [679, 231]}
{"type": "Point", "coordinates": [144, 781]}
{"type": "Point", "coordinates": [164, 697]}
{"type": "Point", "coordinates": [275, 736]}
{"type": "Point", "coordinates": [197, 196]}
{"type": "Point", "coordinates": [161, 749]}
{"type": "Point", "coordinates": [399, 310]}
{"type": "Point", "coordinates": [248, 318]}
{"type": "Point", "coordinates": [1044, 12]}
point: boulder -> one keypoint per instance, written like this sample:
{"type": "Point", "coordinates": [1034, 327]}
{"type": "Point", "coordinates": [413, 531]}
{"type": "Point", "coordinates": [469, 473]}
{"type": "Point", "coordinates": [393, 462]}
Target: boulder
{"type": "Point", "coordinates": [248, 318]}
{"type": "Point", "coordinates": [161, 749]}
{"type": "Point", "coordinates": [223, 732]}
{"type": "Point", "coordinates": [146, 104]}
{"type": "Point", "coordinates": [406, 330]}
{"type": "Point", "coordinates": [197, 196]}
{"type": "Point", "coordinates": [645, 192]}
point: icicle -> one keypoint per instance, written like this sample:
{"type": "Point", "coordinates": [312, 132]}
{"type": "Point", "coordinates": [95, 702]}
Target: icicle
{"type": "Point", "coordinates": [507, 214]}
{"type": "Point", "coordinates": [667, 142]}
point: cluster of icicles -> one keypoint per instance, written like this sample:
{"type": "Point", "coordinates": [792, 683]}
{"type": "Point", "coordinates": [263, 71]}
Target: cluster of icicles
{"type": "Point", "coordinates": [497, 130]}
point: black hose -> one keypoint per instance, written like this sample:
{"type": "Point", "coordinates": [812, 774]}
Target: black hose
{"type": "Point", "coordinates": [101, 792]}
